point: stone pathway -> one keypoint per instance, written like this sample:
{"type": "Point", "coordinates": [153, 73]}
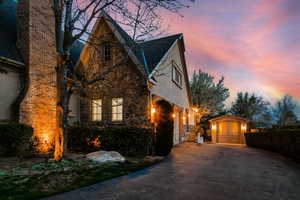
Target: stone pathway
{"type": "Point", "coordinates": [212, 172]}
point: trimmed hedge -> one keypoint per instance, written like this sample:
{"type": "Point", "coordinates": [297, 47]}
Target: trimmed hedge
{"type": "Point", "coordinates": [15, 139]}
{"type": "Point", "coordinates": [128, 141]}
{"type": "Point", "coordinates": [284, 141]}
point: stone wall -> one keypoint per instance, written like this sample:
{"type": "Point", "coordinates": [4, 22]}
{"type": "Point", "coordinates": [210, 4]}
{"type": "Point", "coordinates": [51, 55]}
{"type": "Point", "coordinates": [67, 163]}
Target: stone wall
{"type": "Point", "coordinates": [36, 41]}
{"type": "Point", "coordinates": [124, 82]}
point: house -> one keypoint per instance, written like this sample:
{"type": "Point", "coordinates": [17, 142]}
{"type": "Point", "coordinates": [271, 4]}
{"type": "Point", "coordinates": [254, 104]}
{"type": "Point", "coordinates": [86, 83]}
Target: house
{"type": "Point", "coordinates": [155, 69]}
{"type": "Point", "coordinates": [228, 129]}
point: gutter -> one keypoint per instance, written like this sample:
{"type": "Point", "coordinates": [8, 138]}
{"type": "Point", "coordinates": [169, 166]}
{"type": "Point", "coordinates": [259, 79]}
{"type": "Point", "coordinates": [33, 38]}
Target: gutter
{"type": "Point", "coordinates": [12, 62]}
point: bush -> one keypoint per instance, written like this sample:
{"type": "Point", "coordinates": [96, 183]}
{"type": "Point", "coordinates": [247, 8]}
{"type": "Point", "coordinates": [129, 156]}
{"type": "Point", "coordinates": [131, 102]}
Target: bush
{"type": "Point", "coordinates": [164, 129]}
{"type": "Point", "coordinates": [128, 141]}
{"type": "Point", "coordinates": [15, 139]}
{"type": "Point", "coordinates": [284, 141]}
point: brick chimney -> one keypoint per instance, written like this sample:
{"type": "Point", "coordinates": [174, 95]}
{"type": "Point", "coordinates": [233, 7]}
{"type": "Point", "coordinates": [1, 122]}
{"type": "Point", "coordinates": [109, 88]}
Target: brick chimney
{"type": "Point", "coordinates": [36, 41]}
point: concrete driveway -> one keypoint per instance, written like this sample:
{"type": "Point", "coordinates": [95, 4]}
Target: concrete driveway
{"type": "Point", "coordinates": [203, 172]}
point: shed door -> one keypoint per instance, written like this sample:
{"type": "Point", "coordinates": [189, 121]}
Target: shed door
{"type": "Point", "coordinates": [228, 132]}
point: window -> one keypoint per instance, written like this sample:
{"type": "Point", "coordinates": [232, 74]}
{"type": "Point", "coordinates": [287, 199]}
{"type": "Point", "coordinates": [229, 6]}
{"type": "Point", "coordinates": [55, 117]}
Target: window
{"type": "Point", "coordinates": [117, 109]}
{"type": "Point", "coordinates": [96, 109]}
{"type": "Point", "coordinates": [177, 76]}
{"type": "Point", "coordinates": [106, 50]}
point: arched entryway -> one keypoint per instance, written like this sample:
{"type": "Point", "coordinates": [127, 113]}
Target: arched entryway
{"type": "Point", "coordinates": [164, 125]}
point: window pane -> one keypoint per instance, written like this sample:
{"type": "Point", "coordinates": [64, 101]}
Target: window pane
{"type": "Point", "coordinates": [97, 110]}
{"type": "Point", "coordinates": [117, 109]}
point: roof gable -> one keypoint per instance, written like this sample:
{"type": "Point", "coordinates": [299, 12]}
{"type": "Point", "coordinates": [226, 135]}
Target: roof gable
{"type": "Point", "coordinates": [154, 50]}
{"type": "Point", "coordinates": [146, 55]}
{"type": "Point", "coordinates": [223, 117]}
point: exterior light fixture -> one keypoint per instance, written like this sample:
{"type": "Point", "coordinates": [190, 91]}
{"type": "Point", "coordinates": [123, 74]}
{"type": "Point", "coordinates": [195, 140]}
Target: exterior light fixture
{"type": "Point", "coordinates": [243, 127]}
{"type": "Point", "coordinates": [174, 115]}
{"type": "Point", "coordinates": [153, 110]}
{"type": "Point", "coordinates": [214, 127]}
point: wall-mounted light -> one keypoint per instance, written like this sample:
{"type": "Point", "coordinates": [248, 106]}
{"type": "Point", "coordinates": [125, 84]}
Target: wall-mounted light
{"type": "Point", "coordinates": [153, 110]}
{"type": "Point", "coordinates": [214, 127]}
{"type": "Point", "coordinates": [174, 115]}
{"type": "Point", "coordinates": [243, 127]}
{"type": "Point", "coordinates": [183, 117]}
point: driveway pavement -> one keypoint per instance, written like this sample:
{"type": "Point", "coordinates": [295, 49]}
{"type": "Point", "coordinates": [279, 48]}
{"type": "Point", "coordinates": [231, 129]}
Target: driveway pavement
{"type": "Point", "coordinates": [212, 172]}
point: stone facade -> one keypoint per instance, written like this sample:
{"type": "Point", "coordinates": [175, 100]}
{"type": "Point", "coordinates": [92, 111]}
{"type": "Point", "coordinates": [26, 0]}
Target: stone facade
{"type": "Point", "coordinates": [36, 41]}
{"type": "Point", "coordinates": [125, 81]}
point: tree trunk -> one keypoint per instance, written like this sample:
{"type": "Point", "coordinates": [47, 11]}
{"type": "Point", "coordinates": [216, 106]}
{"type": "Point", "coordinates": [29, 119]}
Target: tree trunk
{"type": "Point", "coordinates": [59, 135]}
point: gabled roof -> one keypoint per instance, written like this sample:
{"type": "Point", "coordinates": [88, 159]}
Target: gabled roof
{"type": "Point", "coordinates": [8, 34]}
{"type": "Point", "coordinates": [154, 50]}
{"type": "Point", "coordinates": [229, 117]}
{"type": "Point", "coordinates": [147, 54]}
{"type": "Point", "coordinates": [8, 30]}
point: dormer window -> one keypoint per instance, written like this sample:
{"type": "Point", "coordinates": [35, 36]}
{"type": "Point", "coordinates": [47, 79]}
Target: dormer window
{"type": "Point", "coordinates": [106, 51]}
{"type": "Point", "coordinates": [176, 75]}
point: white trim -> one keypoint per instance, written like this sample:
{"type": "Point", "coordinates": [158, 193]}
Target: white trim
{"type": "Point", "coordinates": [164, 57]}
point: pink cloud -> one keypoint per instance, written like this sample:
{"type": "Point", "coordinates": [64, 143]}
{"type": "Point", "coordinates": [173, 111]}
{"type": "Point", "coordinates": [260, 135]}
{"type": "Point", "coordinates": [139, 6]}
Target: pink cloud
{"type": "Point", "coordinates": [252, 53]}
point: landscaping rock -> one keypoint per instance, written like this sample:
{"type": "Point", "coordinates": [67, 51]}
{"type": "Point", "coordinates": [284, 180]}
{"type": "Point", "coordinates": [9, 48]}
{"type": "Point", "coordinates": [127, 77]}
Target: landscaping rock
{"type": "Point", "coordinates": [105, 156]}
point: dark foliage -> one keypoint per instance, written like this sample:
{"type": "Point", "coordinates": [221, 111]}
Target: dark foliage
{"type": "Point", "coordinates": [284, 141]}
{"type": "Point", "coordinates": [164, 128]}
{"type": "Point", "coordinates": [128, 141]}
{"type": "Point", "coordinates": [15, 139]}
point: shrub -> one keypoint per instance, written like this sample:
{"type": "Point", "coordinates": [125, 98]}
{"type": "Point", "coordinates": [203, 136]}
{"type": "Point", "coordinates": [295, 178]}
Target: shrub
{"type": "Point", "coordinates": [164, 129]}
{"type": "Point", "coordinates": [128, 141]}
{"type": "Point", "coordinates": [15, 139]}
{"type": "Point", "coordinates": [284, 141]}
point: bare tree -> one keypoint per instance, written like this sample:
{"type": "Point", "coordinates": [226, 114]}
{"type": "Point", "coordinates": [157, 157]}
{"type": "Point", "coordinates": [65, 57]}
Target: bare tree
{"type": "Point", "coordinates": [141, 20]}
{"type": "Point", "coordinates": [73, 21]}
{"type": "Point", "coordinates": [284, 111]}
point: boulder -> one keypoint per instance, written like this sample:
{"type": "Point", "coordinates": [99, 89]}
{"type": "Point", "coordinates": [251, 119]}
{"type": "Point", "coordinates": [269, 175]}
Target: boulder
{"type": "Point", "coordinates": [105, 156]}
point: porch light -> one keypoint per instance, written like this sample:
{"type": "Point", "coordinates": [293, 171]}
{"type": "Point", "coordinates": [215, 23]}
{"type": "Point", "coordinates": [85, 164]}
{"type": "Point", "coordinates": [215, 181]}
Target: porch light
{"type": "Point", "coordinates": [214, 127]}
{"type": "Point", "coordinates": [153, 110]}
{"type": "Point", "coordinates": [243, 127]}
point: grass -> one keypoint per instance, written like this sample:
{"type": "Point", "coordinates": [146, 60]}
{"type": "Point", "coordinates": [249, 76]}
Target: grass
{"type": "Point", "coordinates": [51, 178]}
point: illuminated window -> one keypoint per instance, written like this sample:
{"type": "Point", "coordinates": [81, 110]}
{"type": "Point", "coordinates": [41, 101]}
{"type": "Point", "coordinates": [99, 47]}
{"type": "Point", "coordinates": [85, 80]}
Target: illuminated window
{"type": "Point", "coordinates": [176, 74]}
{"type": "Point", "coordinates": [106, 50]}
{"type": "Point", "coordinates": [96, 109]}
{"type": "Point", "coordinates": [117, 109]}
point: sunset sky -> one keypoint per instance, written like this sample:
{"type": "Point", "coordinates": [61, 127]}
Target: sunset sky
{"type": "Point", "coordinates": [255, 44]}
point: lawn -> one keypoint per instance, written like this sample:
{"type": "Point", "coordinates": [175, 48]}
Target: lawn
{"type": "Point", "coordinates": [36, 178]}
